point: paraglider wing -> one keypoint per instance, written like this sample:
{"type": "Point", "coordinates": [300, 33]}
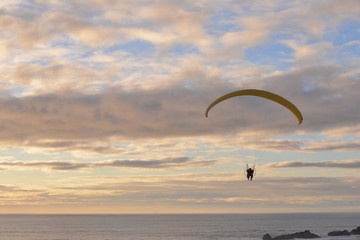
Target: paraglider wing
{"type": "Point", "coordinates": [259, 93]}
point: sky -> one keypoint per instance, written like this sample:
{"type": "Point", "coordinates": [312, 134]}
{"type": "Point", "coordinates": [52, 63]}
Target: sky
{"type": "Point", "coordinates": [102, 106]}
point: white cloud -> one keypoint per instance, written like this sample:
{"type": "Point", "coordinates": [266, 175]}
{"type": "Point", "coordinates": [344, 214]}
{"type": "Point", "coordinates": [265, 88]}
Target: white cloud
{"type": "Point", "coordinates": [309, 54]}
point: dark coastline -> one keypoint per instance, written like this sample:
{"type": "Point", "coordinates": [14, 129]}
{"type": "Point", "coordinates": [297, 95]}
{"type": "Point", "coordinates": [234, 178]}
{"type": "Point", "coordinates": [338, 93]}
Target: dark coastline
{"type": "Point", "coordinates": [309, 235]}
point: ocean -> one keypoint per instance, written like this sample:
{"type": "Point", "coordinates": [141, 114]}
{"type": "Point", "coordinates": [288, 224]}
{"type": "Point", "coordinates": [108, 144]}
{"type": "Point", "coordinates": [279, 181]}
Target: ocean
{"type": "Point", "coordinates": [173, 226]}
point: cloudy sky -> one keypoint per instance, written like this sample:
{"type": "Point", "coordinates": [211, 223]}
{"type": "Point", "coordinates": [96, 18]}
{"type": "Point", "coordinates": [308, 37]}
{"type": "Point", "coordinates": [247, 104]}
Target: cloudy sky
{"type": "Point", "coordinates": [102, 106]}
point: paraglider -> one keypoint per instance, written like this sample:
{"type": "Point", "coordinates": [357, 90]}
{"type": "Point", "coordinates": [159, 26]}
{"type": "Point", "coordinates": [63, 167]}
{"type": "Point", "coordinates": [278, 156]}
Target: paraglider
{"type": "Point", "coordinates": [259, 93]}
{"type": "Point", "coordinates": [250, 172]}
{"type": "Point", "coordinates": [263, 94]}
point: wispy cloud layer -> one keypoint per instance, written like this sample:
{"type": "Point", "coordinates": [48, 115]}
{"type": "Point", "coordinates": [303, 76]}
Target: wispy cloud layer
{"type": "Point", "coordinates": [166, 164]}
{"type": "Point", "coordinates": [353, 164]}
{"type": "Point", "coordinates": [199, 191]}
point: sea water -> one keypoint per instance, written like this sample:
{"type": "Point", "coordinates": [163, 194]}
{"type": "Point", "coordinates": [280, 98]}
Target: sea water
{"type": "Point", "coordinates": [173, 226]}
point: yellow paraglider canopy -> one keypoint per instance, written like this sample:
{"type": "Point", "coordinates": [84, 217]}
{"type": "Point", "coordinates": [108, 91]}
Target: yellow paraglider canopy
{"type": "Point", "coordinates": [259, 93]}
